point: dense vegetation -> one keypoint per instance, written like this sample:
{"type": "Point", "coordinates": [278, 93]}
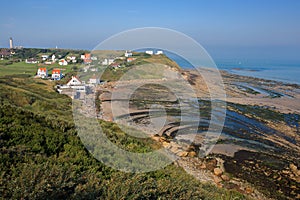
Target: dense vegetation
{"type": "Point", "coordinates": [43, 158]}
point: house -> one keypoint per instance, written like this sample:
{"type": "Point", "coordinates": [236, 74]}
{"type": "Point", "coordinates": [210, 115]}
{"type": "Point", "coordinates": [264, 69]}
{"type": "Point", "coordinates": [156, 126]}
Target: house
{"type": "Point", "coordinates": [94, 80]}
{"type": "Point", "coordinates": [108, 61]}
{"type": "Point", "coordinates": [87, 58]}
{"type": "Point", "coordinates": [128, 54]}
{"type": "Point", "coordinates": [74, 81]}
{"type": "Point", "coordinates": [44, 57]}
{"type": "Point", "coordinates": [94, 58]}
{"type": "Point", "coordinates": [63, 62]}
{"type": "Point", "coordinates": [53, 58]}
{"type": "Point", "coordinates": [5, 53]}
{"type": "Point", "coordinates": [94, 69]}
{"type": "Point", "coordinates": [31, 61]}
{"type": "Point", "coordinates": [130, 59]}
{"type": "Point", "coordinates": [76, 84]}
{"type": "Point", "coordinates": [149, 52]}
{"type": "Point", "coordinates": [71, 59]}
{"type": "Point", "coordinates": [115, 65]}
{"type": "Point", "coordinates": [42, 72]}
{"type": "Point", "coordinates": [56, 74]}
{"type": "Point", "coordinates": [120, 58]}
{"type": "Point", "coordinates": [86, 68]}
{"type": "Point", "coordinates": [159, 52]}
{"type": "Point", "coordinates": [48, 63]}
{"type": "Point", "coordinates": [74, 88]}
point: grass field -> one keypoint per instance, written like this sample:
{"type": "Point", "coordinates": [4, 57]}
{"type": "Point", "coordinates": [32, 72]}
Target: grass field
{"type": "Point", "coordinates": [8, 68]}
{"type": "Point", "coordinates": [14, 68]}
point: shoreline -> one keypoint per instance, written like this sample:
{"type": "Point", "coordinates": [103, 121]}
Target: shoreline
{"type": "Point", "coordinates": [275, 95]}
{"type": "Point", "coordinates": [281, 81]}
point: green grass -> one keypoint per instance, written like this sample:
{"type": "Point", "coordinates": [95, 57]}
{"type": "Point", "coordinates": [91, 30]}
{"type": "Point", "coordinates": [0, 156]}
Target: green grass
{"type": "Point", "coordinates": [17, 68]}
{"type": "Point", "coordinates": [14, 68]}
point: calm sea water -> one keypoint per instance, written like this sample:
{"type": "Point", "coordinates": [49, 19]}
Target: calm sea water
{"type": "Point", "coordinates": [288, 72]}
{"type": "Point", "coordinates": [284, 71]}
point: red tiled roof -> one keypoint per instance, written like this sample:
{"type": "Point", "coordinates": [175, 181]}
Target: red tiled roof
{"type": "Point", "coordinates": [56, 71]}
{"type": "Point", "coordinates": [87, 55]}
{"type": "Point", "coordinates": [43, 69]}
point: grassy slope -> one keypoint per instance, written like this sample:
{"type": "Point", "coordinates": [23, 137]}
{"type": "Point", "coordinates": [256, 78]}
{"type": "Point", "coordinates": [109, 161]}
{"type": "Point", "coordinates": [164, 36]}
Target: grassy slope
{"type": "Point", "coordinates": [42, 158]}
{"type": "Point", "coordinates": [141, 59]}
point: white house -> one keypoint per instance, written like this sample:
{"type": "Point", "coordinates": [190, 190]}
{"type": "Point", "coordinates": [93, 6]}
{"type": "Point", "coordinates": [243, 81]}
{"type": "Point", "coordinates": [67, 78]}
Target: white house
{"type": "Point", "coordinates": [107, 61]}
{"type": "Point", "coordinates": [63, 62]}
{"type": "Point", "coordinates": [159, 52]}
{"type": "Point", "coordinates": [44, 57]}
{"type": "Point", "coordinates": [72, 59]}
{"type": "Point", "coordinates": [48, 63]}
{"type": "Point", "coordinates": [42, 72]}
{"type": "Point", "coordinates": [74, 81]}
{"type": "Point", "coordinates": [53, 58]}
{"type": "Point", "coordinates": [76, 84]}
{"type": "Point", "coordinates": [149, 52]}
{"type": "Point", "coordinates": [31, 61]}
{"type": "Point", "coordinates": [128, 54]}
{"type": "Point", "coordinates": [94, 69]}
{"type": "Point", "coordinates": [56, 74]}
{"type": "Point", "coordinates": [94, 80]}
{"type": "Point", "coordinates": [94, 58]}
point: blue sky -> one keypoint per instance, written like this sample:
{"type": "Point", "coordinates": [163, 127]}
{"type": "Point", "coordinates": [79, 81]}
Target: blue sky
{"type": "Point", "coordinates": [228, 29]}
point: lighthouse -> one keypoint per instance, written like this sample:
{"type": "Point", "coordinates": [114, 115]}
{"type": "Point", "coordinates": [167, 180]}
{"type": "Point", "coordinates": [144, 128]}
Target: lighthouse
{"type": "Point", "coordinates": [11, 44]}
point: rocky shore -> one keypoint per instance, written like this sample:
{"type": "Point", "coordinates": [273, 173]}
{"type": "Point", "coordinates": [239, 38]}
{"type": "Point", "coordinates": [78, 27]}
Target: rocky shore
{"type": "Point", "coordinates": [257, 152]}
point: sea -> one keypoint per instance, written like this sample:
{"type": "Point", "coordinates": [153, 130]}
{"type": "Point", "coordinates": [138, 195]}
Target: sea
{"type": "Point", "coordinates": [283, 71]}
{"type": "Point", "coordinates": [277, 70]}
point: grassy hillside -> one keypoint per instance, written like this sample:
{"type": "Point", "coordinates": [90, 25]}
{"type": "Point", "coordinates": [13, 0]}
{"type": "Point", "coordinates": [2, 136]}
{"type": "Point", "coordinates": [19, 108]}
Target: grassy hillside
{"type": "Point", "coordinates": [141, 66]}
{"type": "Point", "coordinates": [43, 158]}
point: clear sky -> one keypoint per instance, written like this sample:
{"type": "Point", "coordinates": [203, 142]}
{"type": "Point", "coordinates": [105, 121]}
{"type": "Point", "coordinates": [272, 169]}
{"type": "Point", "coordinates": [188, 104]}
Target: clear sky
{"type": "Point", "coordinates": [228, 29]}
